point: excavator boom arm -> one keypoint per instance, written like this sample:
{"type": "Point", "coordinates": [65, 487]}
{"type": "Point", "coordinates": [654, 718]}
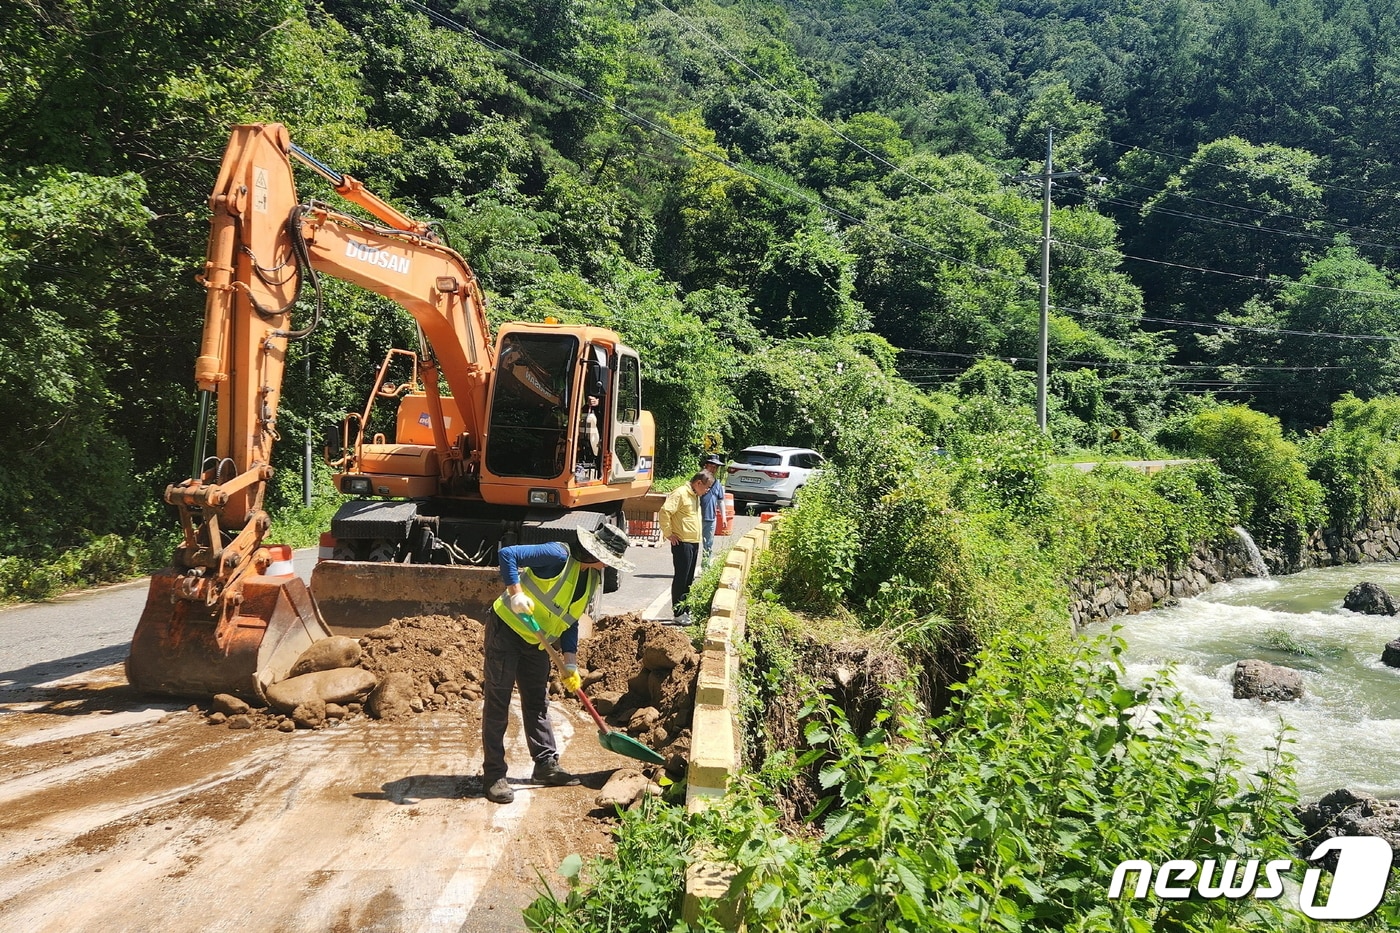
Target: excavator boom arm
{"type": "Point", "coordinates": [213, 621]}
{"type": "Point", "coordinates": [253, 275]}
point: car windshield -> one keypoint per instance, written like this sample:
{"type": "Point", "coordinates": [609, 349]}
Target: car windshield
{"type": "Point", "coordinates": [759, 458]}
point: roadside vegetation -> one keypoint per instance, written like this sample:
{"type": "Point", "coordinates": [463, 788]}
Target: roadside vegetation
{"type": "Point", "coordinates": [978, 767]}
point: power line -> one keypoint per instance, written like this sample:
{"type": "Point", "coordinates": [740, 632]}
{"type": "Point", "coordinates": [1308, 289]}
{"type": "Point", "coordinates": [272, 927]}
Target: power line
{"type": "Point", "coordinates": [1234, 275]}
{"type": "Point", "coordinates": [1243, 327]}
{"type": "Point", "coordinates": [1243, 208]}
{"type": "Point", "coordinates": [1251, 228]}
{"type": "Point", "coordinates": [1155, 367]}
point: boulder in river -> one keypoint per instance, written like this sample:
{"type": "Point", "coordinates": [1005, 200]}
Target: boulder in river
{"type": "Point", "coordinates": [1351, 813]}
{"type": "Point", "coordinates": [1260, 680]}
{"type": "Point", "coordinates": [1371, 599]}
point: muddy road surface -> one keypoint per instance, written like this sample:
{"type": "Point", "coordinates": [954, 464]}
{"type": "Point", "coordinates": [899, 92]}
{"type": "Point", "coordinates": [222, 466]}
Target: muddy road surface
{"type": "Point", "coordinates": [123, 812]}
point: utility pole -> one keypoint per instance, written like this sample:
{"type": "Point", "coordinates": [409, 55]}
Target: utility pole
{"type": "Point", "coordinates": [1042, 372]}
{"type": "Point", "coordinates": [1046, 178]}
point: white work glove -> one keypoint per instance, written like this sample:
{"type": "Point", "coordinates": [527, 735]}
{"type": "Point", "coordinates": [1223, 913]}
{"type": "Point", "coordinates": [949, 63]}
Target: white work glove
{"type": "Point", "coordinates": [571, 681]}
{"type": "Point", "coordinates": [521, 604]}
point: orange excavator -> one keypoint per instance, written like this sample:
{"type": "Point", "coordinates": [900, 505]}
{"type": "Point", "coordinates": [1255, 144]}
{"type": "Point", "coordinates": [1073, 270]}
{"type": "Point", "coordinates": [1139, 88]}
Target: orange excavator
{"type": "Point", "coordinates": [478, 446]}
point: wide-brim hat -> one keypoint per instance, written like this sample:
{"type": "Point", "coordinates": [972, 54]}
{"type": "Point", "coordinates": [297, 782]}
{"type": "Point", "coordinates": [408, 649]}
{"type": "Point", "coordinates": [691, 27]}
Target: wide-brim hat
{"type": "Point", "coordinates": [608, 544]}
{"type": "Point", "coordinates": [712, 459]}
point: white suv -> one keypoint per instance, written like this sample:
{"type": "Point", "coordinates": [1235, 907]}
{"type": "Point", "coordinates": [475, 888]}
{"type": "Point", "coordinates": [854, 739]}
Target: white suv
{"type": "Point", "coordinates": [770, 475]}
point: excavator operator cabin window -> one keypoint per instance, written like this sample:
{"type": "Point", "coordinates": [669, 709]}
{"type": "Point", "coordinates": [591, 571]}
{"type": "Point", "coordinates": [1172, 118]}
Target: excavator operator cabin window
{"type": "Point", "coordinates": [530, 408]}
{"type": "Point", "coordinates": [629, 390]}
{"type": "Point", "coordinates": [629, 410]}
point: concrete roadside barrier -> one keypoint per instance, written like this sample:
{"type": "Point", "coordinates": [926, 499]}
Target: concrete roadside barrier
{"type": "Point", "coordinates": [715, 732]}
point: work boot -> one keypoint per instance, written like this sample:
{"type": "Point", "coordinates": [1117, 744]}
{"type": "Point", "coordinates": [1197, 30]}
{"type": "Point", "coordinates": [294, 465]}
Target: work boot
{"type": "Point", "coordinates": [549, 772]}
{"type": "Point", "coordinates": [500, 791]}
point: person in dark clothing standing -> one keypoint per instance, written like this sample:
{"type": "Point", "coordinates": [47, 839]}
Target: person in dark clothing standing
{"type": "Point", "coordinates": [711, 505]}
{"type": "Point", "coordinates": [554, 584]}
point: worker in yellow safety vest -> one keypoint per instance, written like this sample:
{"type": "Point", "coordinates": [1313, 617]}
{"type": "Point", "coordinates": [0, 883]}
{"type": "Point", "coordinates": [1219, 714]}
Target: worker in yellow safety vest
{"type": "Point", "coordinates": [554, 584]}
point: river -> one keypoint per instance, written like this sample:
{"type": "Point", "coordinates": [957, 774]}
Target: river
{"type": "Point", "coordinates": [1346, 729]}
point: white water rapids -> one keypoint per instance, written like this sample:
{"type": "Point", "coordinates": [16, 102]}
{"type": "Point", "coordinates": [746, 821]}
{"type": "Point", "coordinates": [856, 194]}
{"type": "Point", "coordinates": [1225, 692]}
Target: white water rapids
{"type": "Point", "coordinates": [1346, 729]}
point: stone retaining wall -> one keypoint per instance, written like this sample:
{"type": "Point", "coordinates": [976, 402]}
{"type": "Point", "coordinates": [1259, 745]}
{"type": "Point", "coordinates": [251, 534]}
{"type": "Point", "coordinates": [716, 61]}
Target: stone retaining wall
{"type": "Point", "coordinates": [1128, 592]}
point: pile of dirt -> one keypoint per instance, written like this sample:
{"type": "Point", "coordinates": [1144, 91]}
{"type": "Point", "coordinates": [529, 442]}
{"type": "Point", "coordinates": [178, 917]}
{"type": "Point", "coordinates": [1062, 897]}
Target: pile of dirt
{"type": "Point", "coordinates": [640, 676]}
{"type": "Point", "coordinates": [436, 660]}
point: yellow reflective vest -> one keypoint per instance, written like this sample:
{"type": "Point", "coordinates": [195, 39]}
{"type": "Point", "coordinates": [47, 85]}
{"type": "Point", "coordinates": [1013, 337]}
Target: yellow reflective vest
{"type": "Point", "coordinates": [555, 612]}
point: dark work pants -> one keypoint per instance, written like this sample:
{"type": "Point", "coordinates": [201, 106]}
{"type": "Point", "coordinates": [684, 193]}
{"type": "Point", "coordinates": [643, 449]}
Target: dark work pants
{"type": "Point", "coordinates": [513, 662]}
{"type": "Point", "coordinates": [683, 558]}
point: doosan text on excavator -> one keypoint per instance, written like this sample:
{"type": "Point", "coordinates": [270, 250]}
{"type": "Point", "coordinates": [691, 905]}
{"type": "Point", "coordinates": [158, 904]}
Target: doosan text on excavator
{"type": "Point", "coordinates": [477, 446]}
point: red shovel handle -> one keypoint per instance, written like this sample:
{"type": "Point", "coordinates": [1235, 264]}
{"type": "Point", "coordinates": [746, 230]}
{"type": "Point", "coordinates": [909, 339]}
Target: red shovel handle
{"type": "Point", "coordinates": [591, 711]}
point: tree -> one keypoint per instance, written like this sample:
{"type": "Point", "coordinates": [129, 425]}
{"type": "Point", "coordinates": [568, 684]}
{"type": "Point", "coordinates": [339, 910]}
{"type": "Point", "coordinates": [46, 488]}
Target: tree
{"type": "Point", "coordinates": [866, 147]}
{"type": "Point", "coordinates": [941, 265]}
{"type": "Point", "coordinates": [1232, 220]}
{"type": "Point", "coordinates": [718, 223]}
{"type": "Point", "coordinates": [805, 287]}
{"type": "Point", "coordinates": [68, 473]}
{"type": "Point", "coordinates": [1330, 332]}
{"type": "Point", "coordinates": [1078, 127]}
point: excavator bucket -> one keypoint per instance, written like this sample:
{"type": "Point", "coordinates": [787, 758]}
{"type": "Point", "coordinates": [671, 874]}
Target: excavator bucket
{"type": "Point", "coordinates": [356, 596]}
{"type": "Point", "coordinates": [182, 648]}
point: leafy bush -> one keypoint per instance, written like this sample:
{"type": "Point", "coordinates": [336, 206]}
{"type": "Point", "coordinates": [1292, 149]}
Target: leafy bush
{"type": "Point", "coordinates": [980, 570]}
{"type": "Point", "coordinates": [108, 559]}
{"type": "Point", "coordinates": [823, 393]}
{"type": "Point", "coordinates": [638, 889]}
{"type": "Point", "coordinates": [1113, 518]}
{"type": "Point", "coordinates": [301, 526]}
{"type": "Point", "coordinates": [1012, 811]}
{"type": "Point", "coordinates": [1009, 813]}
{"type": "Point", "coordinates": [1002, 458]}
{"type": "Point", "coordinates": [818, 545]}
{"type": "Point", "coordinates": [1357, 460]}
{"type": "Point", "coordinates": [1276, 500]}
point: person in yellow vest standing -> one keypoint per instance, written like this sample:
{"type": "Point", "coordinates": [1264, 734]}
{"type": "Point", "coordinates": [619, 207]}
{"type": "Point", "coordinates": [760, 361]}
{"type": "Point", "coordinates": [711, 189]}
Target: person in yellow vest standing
{"type": "Point", "coordinates": [554, 584]}
{"type": "Point", "coordinates": [681, 526]}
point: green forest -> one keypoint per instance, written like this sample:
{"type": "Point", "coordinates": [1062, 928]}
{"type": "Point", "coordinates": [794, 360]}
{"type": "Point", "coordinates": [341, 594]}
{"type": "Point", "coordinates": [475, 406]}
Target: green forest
{"type": "Point", "coordinates": [821, 224]}
{"type": "Point", "coordinates": [771, 201]}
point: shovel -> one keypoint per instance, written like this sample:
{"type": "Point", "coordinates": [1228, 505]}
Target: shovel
{"type": "Point", "coordinates": [619, 742]}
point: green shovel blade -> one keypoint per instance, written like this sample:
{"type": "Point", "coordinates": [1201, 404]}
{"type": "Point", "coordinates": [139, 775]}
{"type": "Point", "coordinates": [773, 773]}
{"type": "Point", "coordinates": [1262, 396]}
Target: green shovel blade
{"type": "Point", "coordinates": [624, 744]}
{"type": "Point", "coordinates": [619, 742]}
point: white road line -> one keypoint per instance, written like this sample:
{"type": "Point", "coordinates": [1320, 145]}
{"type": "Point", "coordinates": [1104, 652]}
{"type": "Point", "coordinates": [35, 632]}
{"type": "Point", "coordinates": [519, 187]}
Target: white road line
{"type": "Point", "coordinates": [653, 611]}
{"type": "Point", "coordinates": [458, 897]}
